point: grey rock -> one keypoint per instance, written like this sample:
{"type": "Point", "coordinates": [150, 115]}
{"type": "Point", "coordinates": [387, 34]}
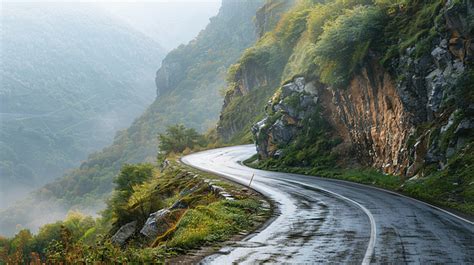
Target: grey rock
{"type": "Point", "coordinates": [179, 205]}
{"type": "Point", "coordinates": [436, 82]}
{"type": "Point", "coordinates": [311, 89]}
{"type": "Point", "coordinates": [433, 156]}
{"type": "Point", "coordinates": [281, 133]}
{"type": "Point", "coordinates": [226, 196]}
{"type": "Point", "coordinates": [189, 191]}
{"type": "Point", "coordinates": [307, 101]}
{"type": "Point", "coordinates": [155, 224]}
{"type": "Point", "coordinates": [124, 233]}
{"type": "Point", "coordinates": [450, 151]}
{"type": "Point", "coordinates": [439, 54]}
{"type": "Point", "coordinates": [300, 83]}
{"type": "Point", "coordinates": [464, 127]}
{"type": "Point", "coordinates": [288, 89]}
{"type": "Point", "coordinates": [449, 124]}
{"type": "Point", "coordinates": [216, 189]}
{"type": "Point", "coordinates": [165, 164]}
{"type": "Point", "coordinates": [292, 111]}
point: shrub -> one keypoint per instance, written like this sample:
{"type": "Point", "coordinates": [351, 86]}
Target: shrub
{"type": "Point", "coordinates": [177, 138]}
{"type": "Point", "coordinates": [344, 43]}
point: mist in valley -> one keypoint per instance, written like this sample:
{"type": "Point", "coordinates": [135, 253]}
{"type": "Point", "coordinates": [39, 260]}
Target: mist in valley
{"type": "Point", "coordinates": [73, 74]}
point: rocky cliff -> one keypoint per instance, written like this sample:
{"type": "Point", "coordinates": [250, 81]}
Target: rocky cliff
{"type": "Point", "coordinates": [407, 115]}
{"type": "Point", "coordinates": [398, 125]}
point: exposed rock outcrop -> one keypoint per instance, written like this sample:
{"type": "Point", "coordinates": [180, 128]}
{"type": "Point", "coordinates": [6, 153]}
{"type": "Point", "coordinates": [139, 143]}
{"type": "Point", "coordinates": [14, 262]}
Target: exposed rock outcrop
{"type": "Point", "coordinates": [395, 125]}
{"type": "Point", "coordinates": [124, 233]}
{"type": "Point", "coordinates": [375, 116]}
{"type": "Point", "coordinates": [268, 15]}
{"type": "Point", "coordinates": [294, 102]}
{"type": "Point", "coordinates": [157, 223]}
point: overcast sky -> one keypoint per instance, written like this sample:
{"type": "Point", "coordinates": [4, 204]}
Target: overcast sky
{"type": "Point", "coordinates": [169, 22]}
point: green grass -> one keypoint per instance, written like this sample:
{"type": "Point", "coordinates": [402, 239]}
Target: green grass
{"type": "Point", "coordinates": [452, 187]}
{"type": "Point", "coordinates": [215, 222]}
{"type": "Point", "coordinates": [360, 175]}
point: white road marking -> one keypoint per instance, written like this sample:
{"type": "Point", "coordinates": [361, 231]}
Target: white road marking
{"type": "Point", "coordinates": [373, 228]}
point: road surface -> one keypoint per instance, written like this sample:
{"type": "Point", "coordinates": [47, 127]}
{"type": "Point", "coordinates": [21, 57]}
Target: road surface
{"type": "Point", "coordinates": [328, 221]}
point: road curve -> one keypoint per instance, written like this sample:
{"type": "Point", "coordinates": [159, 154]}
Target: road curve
{"type": "Point", "coordinates": [329, 221]}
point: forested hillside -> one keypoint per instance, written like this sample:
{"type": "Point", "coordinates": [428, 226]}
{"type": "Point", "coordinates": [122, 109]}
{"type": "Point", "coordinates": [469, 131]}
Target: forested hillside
{"type": "Point", "coordinates": [189, 84]}
{"type": "Point", "coordinates": [379, 92]}
{"type": "Point", "coordinates": [71, 77]}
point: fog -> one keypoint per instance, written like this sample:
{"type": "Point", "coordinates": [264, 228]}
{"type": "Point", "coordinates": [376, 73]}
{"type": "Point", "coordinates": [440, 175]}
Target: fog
{"type": "Point", "coordinates": [51, 63]}
{"type": "Point", "coordinates": [170, 23]}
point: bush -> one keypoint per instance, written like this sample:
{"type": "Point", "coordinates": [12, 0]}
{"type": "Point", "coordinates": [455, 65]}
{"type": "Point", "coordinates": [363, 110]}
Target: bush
{"type": "Point", "coordinates": [130, 177]}
{"type": "Point", "coordinates": [177, 138]}
{"type": "Point", "coordinates": [344, 43]}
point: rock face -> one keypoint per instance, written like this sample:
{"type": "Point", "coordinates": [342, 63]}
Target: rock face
{"type": "Point", "coordinates": [460, 42]}
{"type": "Point", "coordinates": [371, 117]}
{"type": "Point", "coordinates": [397, 126]}
{"type": "Point", "coordinates": [268, 15]}
{"type": "Point", "coordinates": [296, 100]}
{"type": "Point", "coordinates": [248, 77]}
{"type": "Point", "coordinates": [124, 233]}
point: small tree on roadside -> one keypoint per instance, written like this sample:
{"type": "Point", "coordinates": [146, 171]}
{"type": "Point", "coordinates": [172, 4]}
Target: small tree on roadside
{"type": "Point", "coordinates": [177, 138]}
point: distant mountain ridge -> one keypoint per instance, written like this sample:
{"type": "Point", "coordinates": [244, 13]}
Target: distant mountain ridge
{"type": "Point", "coordinates": [193, 98]}
{"type": "Point", "coordinates": [71, 77]}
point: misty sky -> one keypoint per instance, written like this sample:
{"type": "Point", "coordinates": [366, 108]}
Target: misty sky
{"type": "Point", "coordinates": [169, 22]}
{"type": "Point", "coordinates": [166, 24]}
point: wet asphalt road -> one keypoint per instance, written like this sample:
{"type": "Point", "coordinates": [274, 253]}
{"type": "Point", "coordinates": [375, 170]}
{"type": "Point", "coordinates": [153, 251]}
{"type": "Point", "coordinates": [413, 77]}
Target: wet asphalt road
{"type": "Point", "coordinates": [328, 221]}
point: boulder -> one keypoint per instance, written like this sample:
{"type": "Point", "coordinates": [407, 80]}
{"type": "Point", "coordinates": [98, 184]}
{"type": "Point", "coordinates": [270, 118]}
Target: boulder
{"type": "Point", "coordinates": [156, 224]}
{"type": "Point", "coordinates": [124, 233]}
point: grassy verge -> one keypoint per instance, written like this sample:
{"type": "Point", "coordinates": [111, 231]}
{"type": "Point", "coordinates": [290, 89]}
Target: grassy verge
{"type": "Point", "coordinates": [208, 221]}
{"type": "Point", "coordinates": [204, 218]}
{"type": "Point", "coordinates": [451, 188]}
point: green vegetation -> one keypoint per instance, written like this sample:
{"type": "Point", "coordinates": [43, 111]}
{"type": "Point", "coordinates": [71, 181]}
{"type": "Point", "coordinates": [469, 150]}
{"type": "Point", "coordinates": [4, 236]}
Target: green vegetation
{"type": "Point", "coordinates": [179, 138]}
{"type": "Point", "coordinates": [192, 99]}
{"type": "Point", "coordinates": [265, 60]}
{"type": "Point", "coordinates": [243, 112]}
{"type": "Point", "coordinates": [344, 43]}
{"type": "Point", "coordinates": [451, 187]}
{"type": "Point", "coordinates": [214, 222]}
{"type": "Point", "coordinates": [204, 218]}
{"type": "Point", "coordinates": [411, 23]}
{"type": "Point", "coordinates": [329, 42]}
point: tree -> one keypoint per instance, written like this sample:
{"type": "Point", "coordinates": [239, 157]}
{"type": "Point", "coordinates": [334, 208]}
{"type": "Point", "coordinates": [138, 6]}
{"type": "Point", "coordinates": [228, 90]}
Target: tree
{"type": "Point", "coordinates": [130, 176]}
{"type": "Point", "coordinates": [177, 138]}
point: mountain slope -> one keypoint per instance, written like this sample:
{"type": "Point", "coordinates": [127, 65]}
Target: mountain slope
{"type": "Point", "coordinates": [188, 86]}
{"type": "Point", "coordinates": [71, 77]}
{"type": "Point", "coordinates": [383, 88]}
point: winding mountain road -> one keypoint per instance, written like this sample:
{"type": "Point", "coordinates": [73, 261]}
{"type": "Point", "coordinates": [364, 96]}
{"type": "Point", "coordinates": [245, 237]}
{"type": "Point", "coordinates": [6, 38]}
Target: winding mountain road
{"type": "Point", "coordinates": [329, 221]}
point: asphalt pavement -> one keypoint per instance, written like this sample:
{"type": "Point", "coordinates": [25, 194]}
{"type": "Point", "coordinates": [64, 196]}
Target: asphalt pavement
{"type": "Point", "coordinates": [320, 220]}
